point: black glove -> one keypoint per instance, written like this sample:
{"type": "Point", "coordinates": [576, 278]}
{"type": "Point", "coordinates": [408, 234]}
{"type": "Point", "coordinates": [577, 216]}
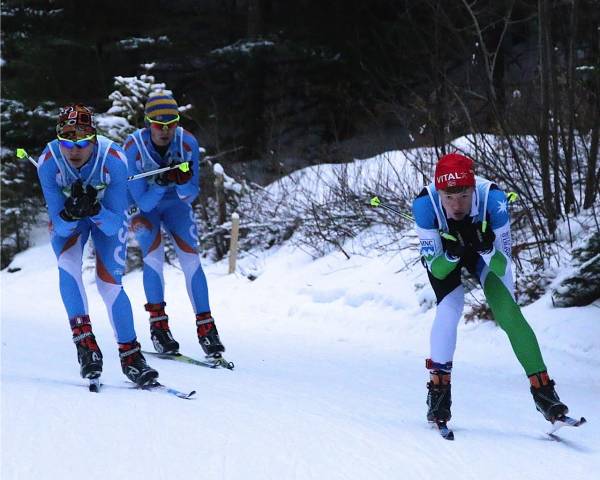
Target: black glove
{"type": "Point", "coordinates": [454, 248]}
{"type": "Point", "coordinates": [174, 176]}
{"type": "Point", "coordinates": [82, 203]}
{"type": "Point", "coordinates": [183, 177]}
{"type": "Point", "coordinates": [482, 242]}
{"type": "Point", "coordinates": [471, 236]}
{"type": "Point", "coordinates": [163, 179]}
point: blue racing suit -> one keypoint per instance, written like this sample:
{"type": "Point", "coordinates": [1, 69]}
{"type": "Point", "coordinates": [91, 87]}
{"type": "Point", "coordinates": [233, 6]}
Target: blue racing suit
{"type": "Point", "coordinates": [106, 170]}
{"type": "Point", "coordinates": [170, 207]}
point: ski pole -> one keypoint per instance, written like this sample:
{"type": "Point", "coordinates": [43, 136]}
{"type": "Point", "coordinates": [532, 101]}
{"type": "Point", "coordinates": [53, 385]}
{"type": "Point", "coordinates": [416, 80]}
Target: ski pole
{"type": "Point", "coordinates": [21, 153]}
{"type": "Point", "coordinates": [183, 166]}
{"type": "Point", "coordinates": [375, 202]}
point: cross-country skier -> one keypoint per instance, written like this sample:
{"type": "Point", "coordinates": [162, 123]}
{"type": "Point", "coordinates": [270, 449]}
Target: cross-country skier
{"type": "Point", "coordinates": [474, 211]}
{"type": "Point", "coordinates": [165, 200]}
{"type": "Point", "coordinates": [84, 180]}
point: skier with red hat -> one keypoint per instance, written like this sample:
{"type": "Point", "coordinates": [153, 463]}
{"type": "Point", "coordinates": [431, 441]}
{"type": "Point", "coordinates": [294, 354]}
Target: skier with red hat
{"type": "Point", "coordinates": [463, 221]}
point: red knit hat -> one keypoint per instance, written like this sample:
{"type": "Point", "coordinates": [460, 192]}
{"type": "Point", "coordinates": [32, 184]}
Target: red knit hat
{"type": "Point", "coordinates": [454, 170]}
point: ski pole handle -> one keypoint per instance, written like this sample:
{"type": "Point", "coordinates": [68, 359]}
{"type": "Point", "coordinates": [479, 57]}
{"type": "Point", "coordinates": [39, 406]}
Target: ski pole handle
{"type": "Point", "coordinates": [21, 153]}
{"type": "Point", "coordinates": [375, 202]}
{"type": "Point", "coordinates": [184, 167]}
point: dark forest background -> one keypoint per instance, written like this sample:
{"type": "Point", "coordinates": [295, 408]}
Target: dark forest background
{"type": "Point", "coordinates": [281, 85]}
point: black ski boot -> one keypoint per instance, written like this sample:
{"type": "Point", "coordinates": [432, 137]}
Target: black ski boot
{"type": "Point", "coordinates": [134, 364]}
{"type": "Point", "coordinates": [89, 355]}
{"type": "Point", "coordinates": [545, 397]}
{"type": "Point", "coordinates": [208, 336]}
{"type": "Point", "coordinates": [439, 398]}
{"type": "Point", "coordinates": [160, 333]}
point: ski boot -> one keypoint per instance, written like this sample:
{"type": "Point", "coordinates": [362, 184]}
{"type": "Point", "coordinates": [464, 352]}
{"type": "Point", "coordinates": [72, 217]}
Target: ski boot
{"type": "Point", "coordinates": [439, 398]}
{"type": "Point", "coordinates": [159, 329]}
{"type": "Point", "coordinates": [89, 355]}
{"type": "Point", "coordinates": [545, 397]}
{"type": "Point", "coordinates": [208, 336]}
{"type": "Point", "coordinates": [134, 364]}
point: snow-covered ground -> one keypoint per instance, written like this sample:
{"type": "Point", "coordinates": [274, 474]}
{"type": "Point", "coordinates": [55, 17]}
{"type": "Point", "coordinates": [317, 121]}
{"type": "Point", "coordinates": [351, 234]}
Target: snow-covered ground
{"type": "Point", "coordinates": [329, 382]}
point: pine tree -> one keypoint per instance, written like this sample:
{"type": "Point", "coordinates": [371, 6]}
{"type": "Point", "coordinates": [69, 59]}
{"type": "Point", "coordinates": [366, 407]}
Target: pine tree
{"type": "Point", "coordinates": [127, 111]}
{"type": "Point", "coordinates": [583, 286]}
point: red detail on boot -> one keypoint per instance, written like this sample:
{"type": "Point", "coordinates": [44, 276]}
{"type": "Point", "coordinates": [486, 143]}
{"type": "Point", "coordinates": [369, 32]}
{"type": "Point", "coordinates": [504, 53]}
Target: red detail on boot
{"type": "Point", "coordinates": [90, 340]}
{"type": "Point", "coordinates": [155, 309]}
{"type": "Point", "coordinates": [204, 329]}
{"type": "Point", "coordinates": [439, 378]}
{"type": "Point", "coordinates": [80, 320]}
{"type": "Point", "coordinates": [160, 325]}
{"type": "Point", "coordinates": [125, 347]}
{"type": "Point", "coordinates": [539, 379]}
{"type": "Point", "coordinates": [545, 378]}
{"type": "Point", "coordinates": [85, 328]}
{"type": "Point", "coordinates": [428, 363]}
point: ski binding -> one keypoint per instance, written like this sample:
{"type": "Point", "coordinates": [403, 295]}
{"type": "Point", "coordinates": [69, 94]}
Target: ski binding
{"type": "Point", "coordinates": [94, 385]}
{"type": "Point", "coordinates": [564, 421]}
{"type": "Point", "coordinates": [443, 430]}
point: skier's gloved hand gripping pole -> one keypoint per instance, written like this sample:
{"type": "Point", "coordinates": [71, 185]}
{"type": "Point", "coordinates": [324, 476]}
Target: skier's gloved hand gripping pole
{"type": "Point", "coordinates": [376, 202]}
{"type": "Point", "coordinates": [183, 166]}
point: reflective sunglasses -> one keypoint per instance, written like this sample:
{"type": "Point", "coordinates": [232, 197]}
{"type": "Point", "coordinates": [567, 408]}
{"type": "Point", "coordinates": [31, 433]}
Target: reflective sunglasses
{"type": "Point", "coordinates": [81, 143]}
{"type": "Point", "coordinates": [163, 125]}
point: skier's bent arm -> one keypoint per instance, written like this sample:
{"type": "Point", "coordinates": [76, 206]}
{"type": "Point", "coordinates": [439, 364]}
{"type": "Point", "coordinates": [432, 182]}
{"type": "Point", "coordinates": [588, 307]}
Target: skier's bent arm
{"type": "Point", "coordinates": [500, 257]}
{"type": "Point", "coordinates": [146, 196]}
{"type": "Point", "coordinates": [114, 203]}
{"type": "Point", "coordinates": [190, 190]}
{"type": "Point", "coordinates": [54, 197]}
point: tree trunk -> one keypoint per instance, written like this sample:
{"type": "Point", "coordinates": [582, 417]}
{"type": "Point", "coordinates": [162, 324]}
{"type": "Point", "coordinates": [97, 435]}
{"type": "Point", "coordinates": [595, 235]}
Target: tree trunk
{"type": "Point", "coordinates": [544, 133]}
{"type": "Point", "coordinates": [591, 179]}
{"type": "Point", "coordinates": [572, 33]}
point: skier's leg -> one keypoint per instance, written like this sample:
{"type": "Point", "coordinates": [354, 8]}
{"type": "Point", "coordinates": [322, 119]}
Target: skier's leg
{"type": "Point", "coordinates": [450, 301]}
{"type": "Point", "coordinates": [180, 223]}
{"type": "Point", "coordinates": [524, 343]}
{"type": "Point", "coordinates": [510, 318]}
{"type": "Point", "coordinates": [146, 227]}
{"type": "Point", "coordinates": [148, 233]}
{"type": "Point", "coordinates": [110, 266]}
{"type": "Point", "coordinates": [69, 253]}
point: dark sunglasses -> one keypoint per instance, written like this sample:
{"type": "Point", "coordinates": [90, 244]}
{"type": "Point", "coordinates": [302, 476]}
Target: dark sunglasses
{"type": "Point", "coordinates": [82, 143]}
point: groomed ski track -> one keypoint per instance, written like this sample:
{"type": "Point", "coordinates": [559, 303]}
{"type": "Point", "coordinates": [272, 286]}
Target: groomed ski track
{"type": "Point", "coordinates": [329, 382]}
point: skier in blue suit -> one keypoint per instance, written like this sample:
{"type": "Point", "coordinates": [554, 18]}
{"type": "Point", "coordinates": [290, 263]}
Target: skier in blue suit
{"type": "Point", "coordinates": [165, 201]}
{"type": "Point", "coordinates": [84, 181]}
